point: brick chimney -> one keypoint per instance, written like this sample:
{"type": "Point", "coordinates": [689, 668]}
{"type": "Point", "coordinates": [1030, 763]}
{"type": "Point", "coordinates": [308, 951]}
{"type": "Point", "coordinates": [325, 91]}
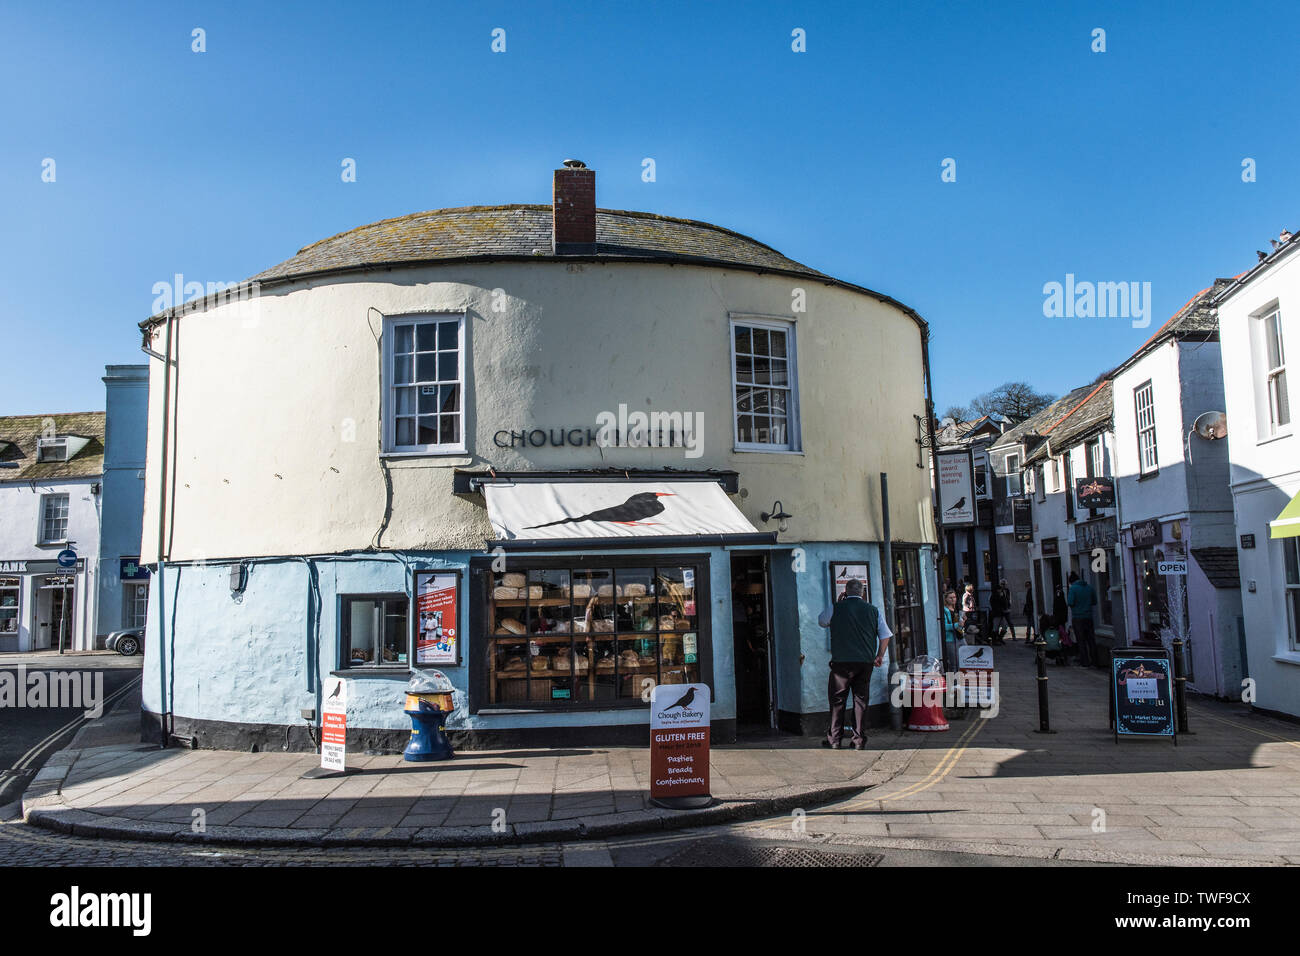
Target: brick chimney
{"type": "Point", "coordinates": [573, 210]}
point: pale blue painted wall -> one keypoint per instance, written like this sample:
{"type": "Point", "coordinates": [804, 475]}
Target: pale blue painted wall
{"type": "Point", "coordinates": [122, 493]}
{"type": "Point", "coordinates": [253, 658]}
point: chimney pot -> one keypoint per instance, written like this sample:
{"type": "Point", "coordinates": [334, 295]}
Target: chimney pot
{"type": "Point", "coordinates": [573, 210]}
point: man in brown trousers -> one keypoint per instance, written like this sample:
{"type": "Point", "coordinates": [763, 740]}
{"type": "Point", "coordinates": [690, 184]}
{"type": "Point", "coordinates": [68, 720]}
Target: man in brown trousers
{"type": "Point", "coordinates": [858, 640]}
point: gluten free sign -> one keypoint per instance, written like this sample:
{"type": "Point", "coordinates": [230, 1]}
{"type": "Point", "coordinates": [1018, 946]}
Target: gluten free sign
{"type": "Point", "coordinates": [679, 742]}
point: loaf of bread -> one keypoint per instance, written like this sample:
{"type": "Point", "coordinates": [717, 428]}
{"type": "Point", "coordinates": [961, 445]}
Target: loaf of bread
{"type": "Point", "coordinates": [514, 665]}
{"type": "Point", "coordinates": [509, 625]}
{"type": "Point", "coordinates": [534, 592]}
{"type": "Point", "coordinates": [579, 627]}
{"type": "Point", "coordinates": [514, 579]}
{"type": "Point", "coordinates": [634, 590]}
{"type": "Point", "coordinates": [581, 592]}
{"type": "Point", "coordinates": [602, 626]}
{"type": "Point", "coordinates": [606, 590]}
{"type": "Point", "coordinates": [628, 658]}
{"type": "Point", "coordinates": [504, 593]}
{"type": "Point", "coordinates": [541, 663]}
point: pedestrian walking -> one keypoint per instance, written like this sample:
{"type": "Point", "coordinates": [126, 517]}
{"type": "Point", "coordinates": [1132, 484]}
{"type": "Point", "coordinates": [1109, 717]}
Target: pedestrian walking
{"type": "Point", "coordinates": [951, 632]}
{"type": "Point", "coordinates": [1000, 609]}
{"type": "Point", "coordinates": [1080, 600]}
{"type": "Point", "coordinates": [858, 640]}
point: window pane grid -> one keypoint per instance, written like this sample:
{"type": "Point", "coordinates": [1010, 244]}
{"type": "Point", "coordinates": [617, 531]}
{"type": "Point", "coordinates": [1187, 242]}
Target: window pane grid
{"type": "Point", "coordinates": [54, 519]}
{"type": "Point", "coordinates": [426, 383]}
{"type": "Point", "coordinates": [763, 386]}
{"type": "Point", "coordinates": [1146, 426]}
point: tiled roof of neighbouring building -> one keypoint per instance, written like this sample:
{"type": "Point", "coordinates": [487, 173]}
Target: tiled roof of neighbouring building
{"type": "Point", "coordinates": [18, 435]}
{"type": "Point", "coordinates": [1219, 565]}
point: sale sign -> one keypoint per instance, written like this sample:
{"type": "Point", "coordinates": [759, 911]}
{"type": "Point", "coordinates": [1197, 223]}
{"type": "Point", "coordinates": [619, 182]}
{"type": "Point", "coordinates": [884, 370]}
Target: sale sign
{"type": "Point", "coordinates": [679, 745]}
{"type": "Point", "coordinates": [436, 639]}
{"type": "Point", "coordinates": [334, 726]}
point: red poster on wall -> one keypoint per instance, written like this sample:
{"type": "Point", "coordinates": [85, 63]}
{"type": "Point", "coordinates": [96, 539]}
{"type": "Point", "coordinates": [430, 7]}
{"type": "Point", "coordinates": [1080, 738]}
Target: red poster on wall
{"type": "Point", "coordinates": [437, 638]}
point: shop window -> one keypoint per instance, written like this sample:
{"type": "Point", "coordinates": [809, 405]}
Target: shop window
{"type": "Point", "coordinates": [424, 399]}
{"type": "Point", "coordinates": [909, 614]}
{"type": "Point", "coordinates": [375, 630]}
{"type": "Point", "coordinates": [135, 604]}
{"type": "Point", "coordinates": [1291, 554]}
{"type": "Point", "coordinates": [579, 635]}
{"type": "Point", "coordinates": [1153, 593]}
{"type": "Point", "coordinates": [9, 605]}
{"type": "Point", "coordinates": [764, 386]}
{"type": "Point", "coordinates": [54, 519]}
{"type": "Point", "coordinates": [1144, 402]}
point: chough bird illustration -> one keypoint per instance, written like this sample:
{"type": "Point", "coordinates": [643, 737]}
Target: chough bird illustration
{"type": "Point", "coordinates": [976, 656]}
{"type": "Point", "coordinates": [684, 701]}
{"type": "Point", "coordinates": [642, 505]}
{"type": "Point", "coordinates": [961, 503]}
{"type": "Point", "coordinates": [337, 687]}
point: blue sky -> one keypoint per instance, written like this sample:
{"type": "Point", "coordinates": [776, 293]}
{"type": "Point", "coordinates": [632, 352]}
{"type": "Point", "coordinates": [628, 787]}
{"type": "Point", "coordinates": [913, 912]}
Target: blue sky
{"type": "Point", "coordinates": [1115, 166]}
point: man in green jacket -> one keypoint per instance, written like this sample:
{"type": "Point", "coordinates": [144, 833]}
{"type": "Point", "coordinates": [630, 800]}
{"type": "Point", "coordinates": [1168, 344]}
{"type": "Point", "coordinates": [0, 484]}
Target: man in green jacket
{"type": "Point", "coordinates": [1080, 600]}
{"type": "Point", "coordinates": [859, 637]}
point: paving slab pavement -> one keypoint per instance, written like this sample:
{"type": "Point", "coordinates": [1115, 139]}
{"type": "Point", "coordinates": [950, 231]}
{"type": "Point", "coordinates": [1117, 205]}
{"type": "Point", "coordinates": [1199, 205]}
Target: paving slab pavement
{"type": "Point", "coordinates": [1226, 793]}
{"type": "Point", "coordinates": [122, 788]}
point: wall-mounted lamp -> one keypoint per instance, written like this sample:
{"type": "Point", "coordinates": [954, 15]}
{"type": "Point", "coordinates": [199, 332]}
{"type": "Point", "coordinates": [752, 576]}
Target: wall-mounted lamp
{"type": "Point", "coordinates": [778, 513]}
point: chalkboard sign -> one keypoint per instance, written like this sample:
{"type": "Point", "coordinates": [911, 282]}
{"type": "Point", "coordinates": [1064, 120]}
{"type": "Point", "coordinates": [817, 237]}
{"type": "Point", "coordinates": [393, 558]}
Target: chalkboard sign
{"type": "Point", "coordinates": [1142, 693]}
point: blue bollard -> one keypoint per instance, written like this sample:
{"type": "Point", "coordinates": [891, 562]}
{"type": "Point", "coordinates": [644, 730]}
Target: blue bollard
{"type": "Point", "coordinates": [428, 742]}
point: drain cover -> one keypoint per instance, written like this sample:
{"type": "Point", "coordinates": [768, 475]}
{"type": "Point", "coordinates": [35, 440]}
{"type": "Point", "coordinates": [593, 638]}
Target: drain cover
{"type": "Point", "coordinates": [729, 853]}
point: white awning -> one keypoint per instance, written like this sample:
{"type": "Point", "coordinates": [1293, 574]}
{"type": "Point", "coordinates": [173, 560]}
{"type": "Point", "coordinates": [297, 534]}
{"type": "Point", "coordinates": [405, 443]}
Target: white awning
{"type": "Point", "coordinates": [570, 511]}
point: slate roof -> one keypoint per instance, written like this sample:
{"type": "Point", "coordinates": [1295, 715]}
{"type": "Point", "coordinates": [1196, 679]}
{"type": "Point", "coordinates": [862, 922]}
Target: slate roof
{"type": "Point", "coordinates": [1198, 318]}
{"type": "Point", "coordinates": [18, 436]}
{"type": "Point", "coordinates": [1219, 565]}
{"type": "Point", "coordinates": [1093, 414]}
{"type": "Point", "coordinates": [1031, 431]}
{"type": "Point", "coordinates": [523, 232]}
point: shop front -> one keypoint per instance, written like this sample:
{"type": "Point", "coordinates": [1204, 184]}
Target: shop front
{"type": "Point", "coordinates": [41, 606]}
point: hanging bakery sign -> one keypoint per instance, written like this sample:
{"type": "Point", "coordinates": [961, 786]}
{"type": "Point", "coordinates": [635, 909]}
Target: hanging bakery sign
{"type": "Point", "coordinates": [1095, 492]}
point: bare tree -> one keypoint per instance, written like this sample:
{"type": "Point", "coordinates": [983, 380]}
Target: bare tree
{"type": "Point", "coordinates": [958, 413]}
{"type": "Point", "coordinates": [1016, 400]}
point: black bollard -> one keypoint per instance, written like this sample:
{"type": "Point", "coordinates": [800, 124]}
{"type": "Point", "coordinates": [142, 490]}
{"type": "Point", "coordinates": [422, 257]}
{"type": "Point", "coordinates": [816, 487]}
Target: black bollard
{"type": "Point", "coordinates": [1180, 686]}
{"type": "Point", "coordinates": [1044, 723]}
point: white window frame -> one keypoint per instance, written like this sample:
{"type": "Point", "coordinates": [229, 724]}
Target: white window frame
{"type": "Point", "coordinates": [1011, 465]}
{"type": "Point", "coordinates": [43, 519]}
{"type": "Point", "coordinates": [1274, 376]}
{"type": "Point", "coordinates": [1145, 419]}
{"type": "Point", "coordinates": [388, 385]}
{"type": "Point", "coordinates": [1054, 473]}
{"type": "Point", "coordinates": [135, 594]}
{"type": "Point", "coordinates": [794, 443]}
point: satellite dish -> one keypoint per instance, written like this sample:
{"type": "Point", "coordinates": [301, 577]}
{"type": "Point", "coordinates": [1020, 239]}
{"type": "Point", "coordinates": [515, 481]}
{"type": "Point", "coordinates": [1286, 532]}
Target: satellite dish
{"type": "Point", "coordinates": [1211, 425]}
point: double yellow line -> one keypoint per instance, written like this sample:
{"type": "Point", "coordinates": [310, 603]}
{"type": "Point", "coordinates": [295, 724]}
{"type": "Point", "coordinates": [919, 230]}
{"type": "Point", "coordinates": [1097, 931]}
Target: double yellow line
{"type": "Point", "coordinates": [940, 771]}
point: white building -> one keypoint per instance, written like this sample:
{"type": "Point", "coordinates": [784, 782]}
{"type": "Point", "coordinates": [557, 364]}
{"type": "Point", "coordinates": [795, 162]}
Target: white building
{"type": "Point", "coordinates": [50, 472]}
{"type": "Point", "coordinates": [1259, 323]}
{"type": "Point", "coordinates": [1175, 505]}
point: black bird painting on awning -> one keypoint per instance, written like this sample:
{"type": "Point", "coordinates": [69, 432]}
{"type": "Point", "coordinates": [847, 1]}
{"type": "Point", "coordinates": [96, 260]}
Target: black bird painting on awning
{"type": "Point", "coordinates": [634, 511]}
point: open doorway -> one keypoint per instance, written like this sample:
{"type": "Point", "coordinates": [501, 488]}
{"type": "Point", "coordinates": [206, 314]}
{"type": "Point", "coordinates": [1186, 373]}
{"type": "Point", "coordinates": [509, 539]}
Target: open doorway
{"type": "Point", "coordinates": [54, 611]}
{"type": "Point", "coordinates": [751, 627]}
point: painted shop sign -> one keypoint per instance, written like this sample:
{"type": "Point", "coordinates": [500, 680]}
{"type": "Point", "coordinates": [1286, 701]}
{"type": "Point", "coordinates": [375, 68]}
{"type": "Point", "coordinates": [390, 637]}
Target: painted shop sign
{"type": "Point", "coordinates": [1022, 519]}
{"type": "Point", "coordinates": [1143, 696]}
{"type": "Point", "coordinates": [679, 742]}
{"type": "Point", "coordinates": [956, 488]}
{"type": "Point", "coordinates": [334, 726]}
{"type": "Point", "coordinates": [1146, 533]}
{"type": "Point", "coordinates": [1096, 534]}
{"type": "Point", "coordinates": [1095, 492]}
{"type": "Point", "coordinates": [1051, 549]}
{"type": "Point", "coordinates": [13, 567]}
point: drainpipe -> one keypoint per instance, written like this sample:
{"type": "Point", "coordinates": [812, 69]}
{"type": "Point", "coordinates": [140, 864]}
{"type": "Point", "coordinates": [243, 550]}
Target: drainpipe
{"type": "Point", "coordinates": [887, 580]}
{"type": "Point", "coordinates": [934, 503]}
{"type": "Point", "coordinates": [165, 356]}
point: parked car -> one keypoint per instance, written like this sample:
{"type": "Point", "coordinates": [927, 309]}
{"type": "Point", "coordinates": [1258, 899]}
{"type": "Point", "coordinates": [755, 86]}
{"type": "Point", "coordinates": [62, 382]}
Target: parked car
{"type": "Point", "coordinates": [127, 642]}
